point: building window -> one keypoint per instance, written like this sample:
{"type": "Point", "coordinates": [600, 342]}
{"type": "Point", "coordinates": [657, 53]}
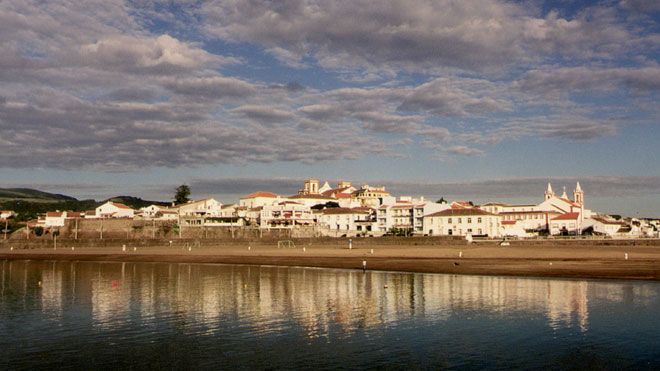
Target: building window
{"type": "Point", "coordinates": [479, 221]}
{"type": "Point", "coordinates": [469, 220]}
{"type": "Point", "coordinates": [460, 220]}
{"type": "Point", "coordinates": [449, 221]}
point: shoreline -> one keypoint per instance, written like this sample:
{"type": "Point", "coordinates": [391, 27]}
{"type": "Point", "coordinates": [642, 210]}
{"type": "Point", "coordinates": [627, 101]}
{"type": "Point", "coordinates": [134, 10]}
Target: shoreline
{"type": "Point", "coordinates": [587, 262]}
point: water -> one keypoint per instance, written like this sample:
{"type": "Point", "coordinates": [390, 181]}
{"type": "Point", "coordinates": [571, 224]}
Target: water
{"type": "Point", "coordinates": [88, 315]}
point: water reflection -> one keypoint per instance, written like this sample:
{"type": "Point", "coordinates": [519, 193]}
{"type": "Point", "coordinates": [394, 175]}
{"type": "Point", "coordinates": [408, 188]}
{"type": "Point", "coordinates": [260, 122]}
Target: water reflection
{"type": "Point", "coordinates": [270, 299]}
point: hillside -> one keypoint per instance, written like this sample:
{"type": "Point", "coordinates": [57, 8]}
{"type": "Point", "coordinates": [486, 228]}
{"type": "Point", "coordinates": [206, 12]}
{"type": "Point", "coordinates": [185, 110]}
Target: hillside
{"type": "Point", "coordinates": [32, 195]}
{"type": "Point", "coordinates": [28, 203]}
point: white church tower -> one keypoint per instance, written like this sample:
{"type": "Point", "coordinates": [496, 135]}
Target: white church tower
{"type": "Point", "coordinates": [578, 195]}
{"type": "Point", "coordinates": [549, 193]}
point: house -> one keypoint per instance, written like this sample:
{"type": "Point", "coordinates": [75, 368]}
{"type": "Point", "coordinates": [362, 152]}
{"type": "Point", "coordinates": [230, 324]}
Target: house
{"type": "Point", "coordinates": [152, 211]}
{"type": "Point", "coordinates": [6, 214]}
{"type": "Point", "coordinates": [462, 222]}
{"type": "Point", "coordinates": [603, 225]}
{"type": "Point", "coordinates": [54, 219]}
{"type": "Point", "coordinates": [348, 221]}
{"type": "Point", "coordinates": [373, 197]}
{"type": "Point", "coordinates": [406, 214]}
{"type": "Point", "coordinates": [114, 210]}
{"type": "Point", "coordinates": [200, 208]}
{"type": "Point", "coordinates": [258, 199]}
{"type": "Point", "coordinates": [565, 224]}
{"type": "Point", "coordinates": [286, 214]}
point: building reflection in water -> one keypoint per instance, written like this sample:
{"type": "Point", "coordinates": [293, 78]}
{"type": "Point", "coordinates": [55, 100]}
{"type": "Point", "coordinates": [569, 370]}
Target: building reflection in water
{"type": "Point", "coordinates": [272, 299]}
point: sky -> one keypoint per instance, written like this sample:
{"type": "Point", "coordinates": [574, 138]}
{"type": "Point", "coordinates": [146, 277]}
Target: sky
{"type": "Point", "coordinates": [486, 100]}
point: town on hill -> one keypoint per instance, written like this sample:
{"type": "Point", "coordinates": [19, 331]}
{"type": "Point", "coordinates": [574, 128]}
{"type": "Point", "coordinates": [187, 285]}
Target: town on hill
{"type": "Point", "coordinates": [339, 210]}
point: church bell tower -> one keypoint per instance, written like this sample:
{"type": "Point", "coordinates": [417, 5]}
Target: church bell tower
{"type": "Point", "coordinates": [578, 195]}
{"type": "Point", "coordinates": [549, 193]}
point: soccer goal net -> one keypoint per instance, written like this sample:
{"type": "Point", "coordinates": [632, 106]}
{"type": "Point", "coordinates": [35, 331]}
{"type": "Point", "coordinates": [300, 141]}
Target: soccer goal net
{"type": "Point", "coordinates": [285, 244]}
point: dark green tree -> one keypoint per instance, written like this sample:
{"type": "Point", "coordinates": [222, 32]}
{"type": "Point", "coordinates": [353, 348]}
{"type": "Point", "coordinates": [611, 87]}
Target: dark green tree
{"type": "Point", "coordinates": [441, 201]}
{"type": "Point", "coordinates": [182, 194]}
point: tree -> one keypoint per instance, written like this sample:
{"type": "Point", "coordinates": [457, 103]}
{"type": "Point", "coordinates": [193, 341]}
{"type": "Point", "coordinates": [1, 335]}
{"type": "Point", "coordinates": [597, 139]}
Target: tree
{"type": "Point", "coordinates": [182, 193]}
{"type": "Point", "coordinates": [441, 201]}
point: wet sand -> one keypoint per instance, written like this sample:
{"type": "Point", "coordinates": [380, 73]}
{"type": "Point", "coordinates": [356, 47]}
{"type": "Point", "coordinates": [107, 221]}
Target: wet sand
{"type": "Point", "coordinates": [566, 261]}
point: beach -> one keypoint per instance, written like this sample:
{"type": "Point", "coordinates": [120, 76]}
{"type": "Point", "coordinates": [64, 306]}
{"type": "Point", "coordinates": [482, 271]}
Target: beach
{"type": "Point", "coordinates": [576, 260]}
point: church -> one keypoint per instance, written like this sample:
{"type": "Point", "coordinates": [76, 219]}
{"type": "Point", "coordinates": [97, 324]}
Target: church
{"type": "Point", "coordinates": [555, 215]}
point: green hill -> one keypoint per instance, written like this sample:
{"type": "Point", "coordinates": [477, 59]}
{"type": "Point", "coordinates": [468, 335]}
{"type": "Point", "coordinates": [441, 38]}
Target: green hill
{"type": "Point", "coordinates": [33, 195]}
{"type": "Point", "coordinates": [28, 203]}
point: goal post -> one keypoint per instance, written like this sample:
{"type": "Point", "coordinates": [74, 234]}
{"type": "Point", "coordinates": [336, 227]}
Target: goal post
{"type": "Point", "coordinates": [283, 244]}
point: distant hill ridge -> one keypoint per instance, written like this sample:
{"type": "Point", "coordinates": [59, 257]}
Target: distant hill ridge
{"type": "Point", "coordinates": [7, 194]}
{"type": "Point", "coordinates": [28, 203]}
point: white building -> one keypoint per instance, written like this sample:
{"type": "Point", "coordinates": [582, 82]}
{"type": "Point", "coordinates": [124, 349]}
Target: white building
{"type": "Point", "coordinates": [406, 214]}
{"type": "Point", "coordinates": [54, 219]}
{"type": "Point", "coordinates": [286, 214]}
{"type": "Point", "coordinates": [6, 214]}
{"type": "Point", "coordinates": [602, 225]}
{"type": "Point", "coordinates": [565, 224]}
{"type": "Point", "coordinates": [205, 207]}
{"type": "Point", "coordinates": [149, 212]}
{"type": "Point", "coordinates": [462, 222]}
{"type": "Point", "coordinates": [258, 199]}
{"type": "Point", "coordinates": [114, 210]}
{"type": "Point", "coordinates": [348, 221]}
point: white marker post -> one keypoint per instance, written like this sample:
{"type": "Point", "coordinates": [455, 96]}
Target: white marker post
{"type": "Point", "coordinates": [626, 256]}
{"type": "Point", "coordinates": [304, 249]}
{"type": "Point", "coordinates": [372, 251]}
{"type": "Point", "coordinates": [364, 265]}
{"type": "Point", "coordinates": [460, 254]}
{"type": "Point", "coordinates": [249, 247]}
{"type": "Point", "coordinates": [350, 244]}
{"type": "Point", "coordinates": [123, 248]}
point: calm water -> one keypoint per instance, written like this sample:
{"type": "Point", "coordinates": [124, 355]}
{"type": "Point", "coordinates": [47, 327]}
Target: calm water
{"type": "Point", "coordinates": [144, 315]}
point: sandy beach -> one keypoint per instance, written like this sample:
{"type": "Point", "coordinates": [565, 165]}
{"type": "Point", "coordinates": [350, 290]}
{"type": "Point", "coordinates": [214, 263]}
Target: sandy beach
{"type": "Point", "coordinates": [574, 261]}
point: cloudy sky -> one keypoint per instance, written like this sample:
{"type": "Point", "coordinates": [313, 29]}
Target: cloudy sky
{"type": "Point", "coordinates": [478, 99]}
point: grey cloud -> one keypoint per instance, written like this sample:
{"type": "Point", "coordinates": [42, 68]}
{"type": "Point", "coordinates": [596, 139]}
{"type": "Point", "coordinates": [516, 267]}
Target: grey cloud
{"type": "Point", "coordinates": [418, 35]}
{"type": "Point", "coordinates": [554, 81]}
{"type": "Point", "coordinates": [134, 94]}
{"type": "Point", "coordinates": [464, 151]}
{"type": "Point", "coordinates": [263, 114]}
{"type": "Point", "coordinates": [292, 87]}
{"type": "Point", "coordinates": [564, 127]}
{"type": "Point", "coordinates": [211, 87]}
{"type": "Point", "coordinates": [643, 6]}
{"type": "Point", "coordinates": [454, 97]}
{"type": "Point", "coordinates": [321, 112]}
{"type": "Point", "coordinates": [163, 55]}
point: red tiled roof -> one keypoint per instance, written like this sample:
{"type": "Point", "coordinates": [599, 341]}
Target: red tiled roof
{"type": "Point", "coordinates": [569, 202]}
{"type": "Point", "coordinates": [567, 216]}
{"type": "Point", "coordinates": [346, 210]}
{"type": "Point", "coordinates": [335, 192]}
{"type": "Point", "coordinates": [508, 222]}
{"type": "Point", "coordinates": [460, 212]}
{"type": "Point", "coordinates": [54, 214]}
{"type": "Point", "coordinates": [529, 212]}
{"type": "Point", "coordinates": [73, 214]}
{"type": "Point", "coordinates": [260, 194]}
